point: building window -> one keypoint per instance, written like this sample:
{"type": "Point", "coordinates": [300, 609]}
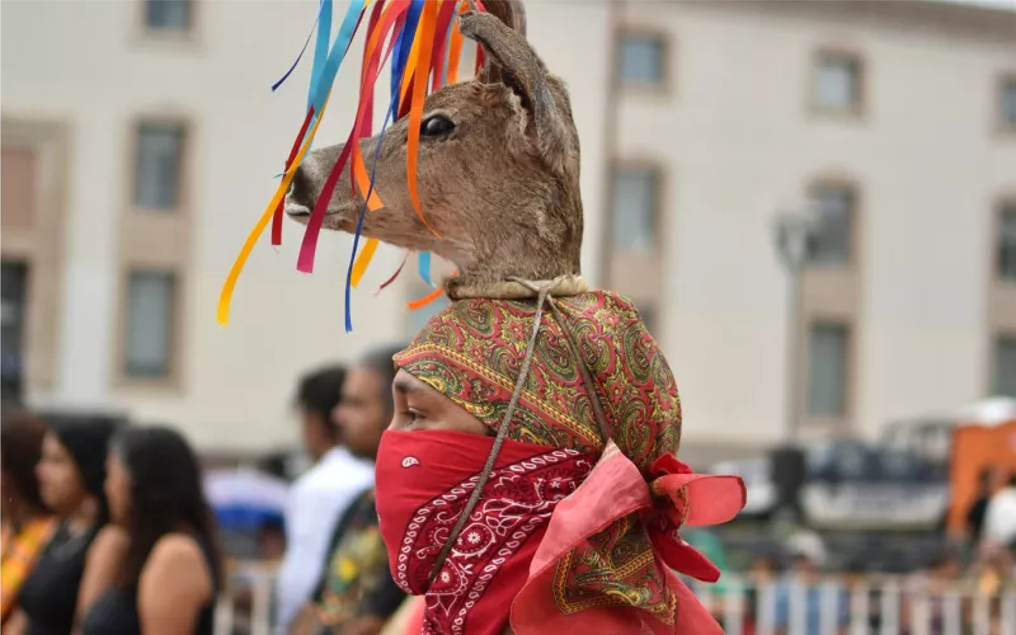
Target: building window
{"type": "Point", "coordinates": [1007, 243]}
{"type": "Point", "coordinates": [837, 82]}
{"type": "Point", "coordinates": [1005, 366]}
{"type": "Point", "coordinates": [831, 243]}
{"type": "Point", "coordinates": [168, 15]}
{"type": "Point", "coordinates": [157, 177]}
{"type": "Point", "coordinates": [641, 59]}
{"type": "Point", "coordinates": [14, 289]}
{"type": "Point", "coordinates": [636, 206]}
{"type": "Point", "coordinates": [828, 344]}
{"type": "Point", "coordinates": [151, 318]}
{"type": "Point", "coordinates": [1007, 102]}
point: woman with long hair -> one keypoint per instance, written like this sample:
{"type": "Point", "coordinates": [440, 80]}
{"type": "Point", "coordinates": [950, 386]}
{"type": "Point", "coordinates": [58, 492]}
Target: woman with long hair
{"type": "Point", "coordinates": [169, 577]}
{"type": "Point", "coordinates": [27, 523]}
{"type": "Point", "coordinates": [70, 472]}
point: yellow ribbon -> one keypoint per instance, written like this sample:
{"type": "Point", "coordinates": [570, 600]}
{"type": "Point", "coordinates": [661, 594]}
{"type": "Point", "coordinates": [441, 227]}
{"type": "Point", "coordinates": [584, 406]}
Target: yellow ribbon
{"type": "Point", "coordinates": [226, 296]}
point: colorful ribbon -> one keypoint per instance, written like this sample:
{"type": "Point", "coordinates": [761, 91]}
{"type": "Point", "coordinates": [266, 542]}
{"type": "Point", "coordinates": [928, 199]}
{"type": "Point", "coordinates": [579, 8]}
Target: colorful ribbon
{"type": "Point", "coordinates": [425, 45]}
{"type": "Point", "coordinates": [303, 50]}
{"type": "Point", "coordinates": [222, 313]}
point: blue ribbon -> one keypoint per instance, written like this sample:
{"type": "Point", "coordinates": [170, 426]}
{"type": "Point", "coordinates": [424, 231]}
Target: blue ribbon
{"type": "Point", "coordinates": [363, 214]}
{"type": "Point", "coordinates": [403, 46]}
{"type": "Point", "coordinates": [424, 267]}
{"type": "Point", "coordinates": [324, 33]}
{"type": "Point", "coordinates": [324, 81]}
{"type": "Point", "coordinates": [303, 50]}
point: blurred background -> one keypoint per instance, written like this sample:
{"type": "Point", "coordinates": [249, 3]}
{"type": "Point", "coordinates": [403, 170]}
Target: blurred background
{"type": "Point", "coordinates": [813, 204]}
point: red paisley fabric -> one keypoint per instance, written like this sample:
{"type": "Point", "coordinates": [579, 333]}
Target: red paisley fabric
{"type": "Point", "coordinates": [606, 562]}
{"type": "Point", "coordinates": [424, 479]}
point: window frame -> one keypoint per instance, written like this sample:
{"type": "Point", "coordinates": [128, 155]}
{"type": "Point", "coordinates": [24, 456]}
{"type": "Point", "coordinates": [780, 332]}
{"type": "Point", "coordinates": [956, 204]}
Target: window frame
{"type": "Point", "coordinates": [183, 164]}
{"type": "Point", "coordinates": [843, 184]}
{"type": "Point", "coordinates": [168, 33]}
{"type": "Point", "coordinates": [667, 50]}
{"type": "Point", "coordinates": [1005, 79]}
{"type": "Point", "coordinates": [832, 421]}
{"type": "Point", "coordinates": [1004, 205]}
{"type": "Point", "coordinates": [658, 173]}
{"type": "Point", "coordinates": [21, 268]}
{"type": "Point", "coordinates": [172, 378]}
{"type": "Point", "coordinates": [996, 342]}
{"type": "Point", "coordinates": [858, 108]}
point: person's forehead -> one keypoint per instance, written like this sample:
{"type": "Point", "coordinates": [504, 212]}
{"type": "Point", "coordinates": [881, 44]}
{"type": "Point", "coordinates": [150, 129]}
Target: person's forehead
{"type": "Point", "coordinates": [406, 383]}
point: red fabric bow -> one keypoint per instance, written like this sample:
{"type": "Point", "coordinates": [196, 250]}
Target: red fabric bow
{"type": "Point", "coordinates": [681, 497]}
{"type": "Point", "coordinates": [615, 489]}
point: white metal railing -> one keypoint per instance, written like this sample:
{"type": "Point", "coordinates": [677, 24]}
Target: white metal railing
{"type": "Point", "coordinates": [873, 605]}
{"type": "Point", "coordinates": [246, 606]}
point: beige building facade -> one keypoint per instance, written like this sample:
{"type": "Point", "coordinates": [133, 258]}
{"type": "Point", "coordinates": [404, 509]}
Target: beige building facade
{"type": "Point", "coordinates": [139, 146]}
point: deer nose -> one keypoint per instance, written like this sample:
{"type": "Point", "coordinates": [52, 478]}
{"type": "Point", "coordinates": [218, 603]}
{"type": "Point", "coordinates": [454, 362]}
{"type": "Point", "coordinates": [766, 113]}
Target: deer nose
{"type": "Point", "coordinates": [301, 197]}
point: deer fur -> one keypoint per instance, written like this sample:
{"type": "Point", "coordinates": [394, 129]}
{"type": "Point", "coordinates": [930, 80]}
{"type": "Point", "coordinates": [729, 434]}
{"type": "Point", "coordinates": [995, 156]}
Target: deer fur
{"type": "Point", "coordinates": [500, 190]}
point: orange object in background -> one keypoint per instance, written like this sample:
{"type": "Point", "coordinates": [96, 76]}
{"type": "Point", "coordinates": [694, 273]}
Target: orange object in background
{"type": "Point", "coordinates": [976, 447]}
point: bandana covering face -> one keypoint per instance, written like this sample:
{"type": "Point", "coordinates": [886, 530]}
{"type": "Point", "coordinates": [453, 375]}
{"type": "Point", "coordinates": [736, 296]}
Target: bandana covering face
{"type": "Point", "coordinates": [605, 562]}
{"type": "Point", "coordinates": [424, 479]}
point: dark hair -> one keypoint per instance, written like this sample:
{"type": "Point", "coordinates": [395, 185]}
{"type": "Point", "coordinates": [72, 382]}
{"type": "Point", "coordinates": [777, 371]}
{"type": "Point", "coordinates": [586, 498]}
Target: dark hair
{"type": "Point", "coordinates": [320, 391]}
{"type": "Point", "coordinates": [273, 523]}
{"type": "Point", "coordinates": [274, 464]}
{"type": "Point", "coordinates": [986, 477]}
{"type": "Point", "coordinates": [166, 495]}
{"type": "Point", "coordinates": [380, 361]}
{"type": "Point", "coordinates": [86, 437]}
{"type": "Point", "coordinates": [21, 437]}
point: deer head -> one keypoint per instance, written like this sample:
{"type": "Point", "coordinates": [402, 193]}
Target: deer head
{"type": "Point", "coordinates": [498, 168]}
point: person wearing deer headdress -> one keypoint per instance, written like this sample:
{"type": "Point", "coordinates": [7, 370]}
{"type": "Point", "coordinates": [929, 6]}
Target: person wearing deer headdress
{"type": "Point", "coordinates": [529, 481]}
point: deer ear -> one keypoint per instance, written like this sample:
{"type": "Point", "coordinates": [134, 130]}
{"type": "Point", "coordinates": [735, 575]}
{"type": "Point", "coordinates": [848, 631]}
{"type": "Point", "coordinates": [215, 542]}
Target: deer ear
{"type": "Point", "coordinates": [509, 54]}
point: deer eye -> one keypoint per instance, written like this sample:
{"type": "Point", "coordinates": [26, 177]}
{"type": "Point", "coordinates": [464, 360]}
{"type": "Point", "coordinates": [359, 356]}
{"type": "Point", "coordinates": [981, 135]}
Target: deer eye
{"type": "Point", "coordinates": [436, 126]}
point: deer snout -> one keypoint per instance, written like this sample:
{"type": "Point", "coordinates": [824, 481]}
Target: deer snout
{"type": "Point", "coordinates": [302, 194]}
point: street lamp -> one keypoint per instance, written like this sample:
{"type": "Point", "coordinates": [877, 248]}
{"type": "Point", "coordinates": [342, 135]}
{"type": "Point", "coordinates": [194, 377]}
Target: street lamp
{"type": "Point", "coordinates": [794, 232]}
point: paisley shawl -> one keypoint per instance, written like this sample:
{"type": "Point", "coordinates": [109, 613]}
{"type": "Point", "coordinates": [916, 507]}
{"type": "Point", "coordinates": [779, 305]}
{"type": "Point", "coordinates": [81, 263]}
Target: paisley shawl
{"type": "Point", "coordinates": [607, 560]}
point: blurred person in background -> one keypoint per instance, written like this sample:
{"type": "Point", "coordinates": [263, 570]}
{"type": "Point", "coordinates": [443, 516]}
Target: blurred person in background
{"type": "Point", "coordinates": [993, 572]}
{"type": "Point", "coordinates": [319, 497]}
{"type": "Point", "coordinates": [808, 555]}
{"type": "Point", "coordinates": [765, 566]}
{"type": "Point", "coordinates": [271, 540]}
{"type": "Point", "coordinates": [356, 594]}
{"type": "Point", "coordinates": [979, 508]}
{"type": "Point", "coordinates": [1000, 516]}
{"type": "Point", "coordinates": [930, 586]}
{"type": "Point", "coordinates": [169, 576]}
{"type": "Point", "coordinates": [27, 525]}
{"type": "Point", "coordinates": [83, 553]}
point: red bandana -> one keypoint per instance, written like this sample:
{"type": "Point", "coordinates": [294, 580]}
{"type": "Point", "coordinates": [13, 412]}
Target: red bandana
{"type": "Point", "coordinates": [424, 479]}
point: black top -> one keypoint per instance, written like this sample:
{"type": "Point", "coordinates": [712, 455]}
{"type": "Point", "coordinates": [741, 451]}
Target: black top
{"type": "Point", "coordinates": [975, 517]}
{"type": "Point", "coordinates": [49, 595]}
{"type": "Point", "coordinates": [356, 581]}
{"type": "Point", "coordinates": [116, 612]}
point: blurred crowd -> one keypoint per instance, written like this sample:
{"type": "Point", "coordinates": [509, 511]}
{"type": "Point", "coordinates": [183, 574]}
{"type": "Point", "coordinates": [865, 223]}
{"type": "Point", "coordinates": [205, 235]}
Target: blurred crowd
{"type": "Point", "coordinates": [108, 529]}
